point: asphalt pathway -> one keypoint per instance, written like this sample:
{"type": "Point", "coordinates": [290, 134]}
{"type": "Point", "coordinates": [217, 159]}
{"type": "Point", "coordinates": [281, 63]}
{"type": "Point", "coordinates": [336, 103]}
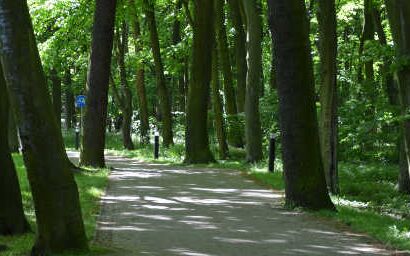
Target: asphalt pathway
{"type": "Point", "coordinates": [155, 209]}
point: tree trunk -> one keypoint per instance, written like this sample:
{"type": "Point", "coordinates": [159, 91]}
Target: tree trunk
{"type": "Point", "coordinates": [218, 108]}
{"type": "Point", "coordinates": [12, 219]}
{"type": "Point", "coordinates": [125, 101]}
{"type": "Point", "coordinates": [240, 53]}
{"type": "Point", "coordinates": [197, 142]}
{"type": "Point", "coordinates": [328, 91]}
{"type": "Point", "coordinates": [367, 34]}
{"type": "Point", "coordinates": [253, 131]}
{"type": "Point", "coordinates": [164, 100]}
{"type": "Point", "coordinates": [54, 190]}
{"type": "Point", "coordinates": [234, 127]}
{"type": "Point", "coordinates": [304, 176]}
{"type": "Point", "coordinates": [69, 101]}
{"type": "Point", "coordinates": [399, 17]}
{"type": "Point", "coordinates": [14, 144]}
{"type": "Point", "coordinates": [92, 152]}
{"type": "Point", "coordinates": [56, 92]}
{"type": "Point", "coordinates": [139, 81]}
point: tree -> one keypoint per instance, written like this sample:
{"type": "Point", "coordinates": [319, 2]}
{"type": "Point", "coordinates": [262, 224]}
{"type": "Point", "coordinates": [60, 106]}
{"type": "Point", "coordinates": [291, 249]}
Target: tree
{"type": "Point", "coordinates": [55, 195]}
{"type": "Point", "coordinates": [124, 96]}
{"type": "Point", "coordinates": [304, 177]}
{"type": "Point", "coordinates": [196, 142]}
{"type": "Point", "coordinates": [164, 101]}
{"type": "Point", "coordinates": [56, 94]}
{"type": "Point", "coordinates": [328, 91]}
{"type": "Point", "coordinates": [92, 153]}
{"type": "Point", "coordinates": [12, 219]}
{"type": "Point", "coordinates": [253, 132]}
{"type": "Point", "coordinates": [234, 131]}
{"type": "Point", "coordinates": [218, 108]}
{"type": "Point", "coordinates": [240, 53]}
{"type": "Point", "coordinates": [140, 77]}
{"type": "Point", "coordinates": [399, 17]}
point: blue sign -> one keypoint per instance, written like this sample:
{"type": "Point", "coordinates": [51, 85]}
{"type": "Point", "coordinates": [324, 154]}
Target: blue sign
{"type": "Point", "coordinates": [80, 101]}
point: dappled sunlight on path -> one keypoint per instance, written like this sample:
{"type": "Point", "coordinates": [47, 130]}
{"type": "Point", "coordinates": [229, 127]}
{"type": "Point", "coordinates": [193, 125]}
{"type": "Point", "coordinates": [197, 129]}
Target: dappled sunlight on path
{"type": "Point", "coordinates": [153, 209]}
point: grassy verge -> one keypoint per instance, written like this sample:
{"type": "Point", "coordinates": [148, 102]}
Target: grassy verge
{"type": "Point", "coordinates": [91, 186]}
{"type": "Point", "coordinates": [369, 201]}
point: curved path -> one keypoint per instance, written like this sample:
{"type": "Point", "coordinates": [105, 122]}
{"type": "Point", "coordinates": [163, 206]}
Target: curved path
{"type": "Point", "coordinates": [152, 209]}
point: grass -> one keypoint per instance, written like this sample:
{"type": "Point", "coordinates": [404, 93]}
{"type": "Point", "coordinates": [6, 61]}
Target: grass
{"type": "Point", "coordinates": [91, 186]}
{"type": "Point", "coordinates": [369, 201]}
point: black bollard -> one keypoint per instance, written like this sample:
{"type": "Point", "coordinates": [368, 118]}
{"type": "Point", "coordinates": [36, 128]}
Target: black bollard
{"type": "Point", "coordinates": [156, 145]}
{"type": "Point", "coordinates": [272, 142]}
{"type": "Point", "coordinates": [77, 137]}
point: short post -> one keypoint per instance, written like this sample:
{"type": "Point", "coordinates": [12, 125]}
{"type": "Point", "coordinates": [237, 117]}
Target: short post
{"type": "Point", "coordinates": [77, 137]}
{"type": "Point", "coordinates": [156, 144]}
{"type": "Point", "coordinates": [272, 142]}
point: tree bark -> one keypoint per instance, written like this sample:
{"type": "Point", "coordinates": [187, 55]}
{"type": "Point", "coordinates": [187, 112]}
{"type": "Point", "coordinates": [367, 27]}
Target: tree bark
{"type": "Point", "coordinates": [54, 190]}
{"type": "Point", "coordinates": [253, 131]}
{"type": "Point", "coordinates": [197, 142]}
{"type": "Point", "coordinates": [328, 91]}
{"type": "Point", "coordinates": [399, 17]}
{"type": "Point", "coordinates": [218, 108]}
{"type": "Point", "coordinates": [12, 219]}
{"type": "Point", "coordinates": [240, 53]}
{"type": "Point", "coordinates": [69, 101]}
{"type": "Point", "coordinates": [140, 80]}
{"type": "Point", "coordinates": [304, 176]}
{"type": "Point", "coordinates": [125, 100]}
{"type": "Point", "coordinates": [164, 97]}
{"type": "Point", "coordinates": [367, 34]}
{"type": "Point", "coordinates": [234, 127]}
{"type": "Point", "coordinates": [56, 93]}
{"type": "Point", "coordinates": [92, 152]}
{"type": "Point", "coordinates": [14, 144]}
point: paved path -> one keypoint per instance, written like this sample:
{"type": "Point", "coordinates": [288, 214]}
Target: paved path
{"type": "Point", "coordinates": [152, 209]}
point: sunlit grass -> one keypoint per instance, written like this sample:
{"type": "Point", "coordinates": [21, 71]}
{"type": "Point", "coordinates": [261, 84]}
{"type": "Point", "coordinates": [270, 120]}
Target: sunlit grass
{"type": "Point", "coordinates": [91, 186]}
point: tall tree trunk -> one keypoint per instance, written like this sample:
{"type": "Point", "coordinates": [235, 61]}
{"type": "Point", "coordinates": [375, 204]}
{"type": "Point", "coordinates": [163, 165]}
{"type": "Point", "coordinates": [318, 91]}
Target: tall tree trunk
{"type": "Point", "coordinates": [328, 91]}
{"type": "Point", "coordinates": [399, 17]}
{"type": "Point", "coordinates": [92, 152]}
{"type": "Point", "coordinates": [218, 108]}
{"type": "Point", "coordinates": [234, 127]}
{"type": "Point", "coordinates": [393, 95]}
{"type": "Point", "coordinates": [240, 53]}
{"type": "Point", "coordinates": [54, 190]}
{"type": "Point", "coordinates": [125, 103]}
{"type": "Point", "coordinates": [164, 97]}
{"type": "Point", "coordinates": [12, 219]}
{"type": "Point", "coordinates": [253, 131]}
{"type": "Point", "coordinates": [304, 176]}
{"type": "Point", "coordinates": [69, 101]}
{"type": "Point", "coordinates": [367, 34]}
{"type": "Point", "coordinates": [179, 80]}
{"type": "Point", "coordinates": [197, 142]}
{"type": "Point", "coordinates": [140, 80]}
{"type": "Point", "coordinates": [56, 92]}
{"type": "Point", "coordinates": [14, 144]}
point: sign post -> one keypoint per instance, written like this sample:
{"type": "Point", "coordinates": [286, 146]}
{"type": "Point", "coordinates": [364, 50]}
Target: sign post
{"type": "Point", "coordinates": [79, 103]}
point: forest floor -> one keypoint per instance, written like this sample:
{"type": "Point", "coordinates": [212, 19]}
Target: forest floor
{"type": "Point", "coordinates": [160, 209]}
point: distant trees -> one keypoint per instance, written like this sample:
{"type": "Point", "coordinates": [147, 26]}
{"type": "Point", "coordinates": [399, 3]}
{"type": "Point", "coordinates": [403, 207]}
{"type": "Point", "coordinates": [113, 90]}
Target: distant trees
{"type": "Point", "coordinates": [92, 152]}
{"type": "Point", "coordinates": [55, 195]}
{"type": "Point", "coordinates": [303, 169]}
{"type": "Point", "coordinates": [163, 93]}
